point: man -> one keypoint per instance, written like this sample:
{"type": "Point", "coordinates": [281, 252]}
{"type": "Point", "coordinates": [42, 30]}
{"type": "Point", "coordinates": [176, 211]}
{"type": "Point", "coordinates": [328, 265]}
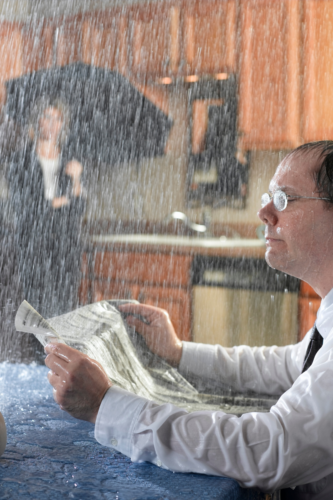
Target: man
{"type": "Point", "coordinates": [292, 445]}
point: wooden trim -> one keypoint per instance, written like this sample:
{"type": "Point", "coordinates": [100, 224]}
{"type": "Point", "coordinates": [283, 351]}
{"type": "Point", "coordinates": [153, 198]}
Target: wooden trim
{"type": "Point", "coordinates": [293, 69]}
{"type": "Point", "coordinates": [309, 71]}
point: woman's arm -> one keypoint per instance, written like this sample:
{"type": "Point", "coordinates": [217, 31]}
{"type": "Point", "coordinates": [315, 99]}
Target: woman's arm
{"type": "Point", "coordinates": [73, 170]}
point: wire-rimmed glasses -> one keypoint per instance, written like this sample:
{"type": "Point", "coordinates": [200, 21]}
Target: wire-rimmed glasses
{"type": "Point", "coordinates": [280, 199]}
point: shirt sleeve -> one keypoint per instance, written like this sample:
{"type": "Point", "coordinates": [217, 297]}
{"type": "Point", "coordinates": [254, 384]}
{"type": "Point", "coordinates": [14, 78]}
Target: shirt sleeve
{"type": "Point", "coordinates": [288, 446]}
{"type": "Point", "coordinates": [264, 370]}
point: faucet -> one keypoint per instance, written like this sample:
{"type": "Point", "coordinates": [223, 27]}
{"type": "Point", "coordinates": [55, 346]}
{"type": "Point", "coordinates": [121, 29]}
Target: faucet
{"type": "Point", "coordinates": [199, 228]}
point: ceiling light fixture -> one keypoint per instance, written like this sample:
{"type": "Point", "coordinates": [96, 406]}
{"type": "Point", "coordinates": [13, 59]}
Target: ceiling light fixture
{"type": "Point", "coordinates": [221, 76]}
{"type": "Point", "coordinates": [165, 81]}
{"type": "Point", "coordinates": [191, 78]}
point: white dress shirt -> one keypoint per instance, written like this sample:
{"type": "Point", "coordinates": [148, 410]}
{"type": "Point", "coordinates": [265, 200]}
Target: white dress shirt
{"type": "Point", "coordinates": [50, 168]}
{"type": "Point", "coordinates": [290, 445]}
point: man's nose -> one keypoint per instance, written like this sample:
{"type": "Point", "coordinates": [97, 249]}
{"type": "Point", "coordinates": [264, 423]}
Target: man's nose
{"type": "Point", "coordinates": [268, 214]}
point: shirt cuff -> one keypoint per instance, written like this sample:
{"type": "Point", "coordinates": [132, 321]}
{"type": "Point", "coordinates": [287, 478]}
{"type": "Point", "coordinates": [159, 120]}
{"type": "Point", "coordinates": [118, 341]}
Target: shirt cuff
{"type": "Point", "coordinates": [197, 359]}
{"type": "Point", "coordinates": [116, 419]}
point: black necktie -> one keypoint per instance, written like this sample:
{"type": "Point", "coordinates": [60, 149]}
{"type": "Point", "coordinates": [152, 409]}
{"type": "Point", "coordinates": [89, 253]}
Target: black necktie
{"type": "Point", "coordinates": [316, 342]}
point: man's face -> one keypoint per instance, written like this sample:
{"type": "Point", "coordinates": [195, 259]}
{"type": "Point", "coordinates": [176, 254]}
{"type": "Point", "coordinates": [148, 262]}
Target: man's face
{"type": "Point", "coordinates": [299, 239]}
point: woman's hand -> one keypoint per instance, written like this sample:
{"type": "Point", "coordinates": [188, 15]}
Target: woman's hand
{"type": "Point", "coordinates": [156, 329]}
{"type": "Point", "coordinates": [74, 170]}
{"type": "Point", "coordinates": [60, 202]}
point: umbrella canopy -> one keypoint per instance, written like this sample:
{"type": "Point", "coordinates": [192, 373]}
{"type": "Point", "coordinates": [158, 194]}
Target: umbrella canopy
{"type": "Point", "coordinates": [111, 120]}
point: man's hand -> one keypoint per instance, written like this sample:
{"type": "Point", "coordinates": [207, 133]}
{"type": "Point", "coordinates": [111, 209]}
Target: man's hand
{"type": "Point", "coordinates": [157, 330]}
{"type": "Point", "coordinates": [79, 383]}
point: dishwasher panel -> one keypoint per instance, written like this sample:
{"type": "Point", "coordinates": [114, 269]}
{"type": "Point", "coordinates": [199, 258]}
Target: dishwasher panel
{"type": "Point", "coordinates": [243, 301]}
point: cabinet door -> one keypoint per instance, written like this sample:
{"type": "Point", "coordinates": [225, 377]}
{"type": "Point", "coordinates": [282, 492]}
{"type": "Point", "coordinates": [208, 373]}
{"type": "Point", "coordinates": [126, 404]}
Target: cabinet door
{"type": "Point", "coordinates": [105, 39]}
{"type": "Point", "coordinates": [269, 115]}
{"type": "Point", "coordinates": [175, 301]}
{"type": "Point", "coordinates": [155, 40]}
{"type": "Point", "coordinates": [68, 42]}
{"type": "Point", "coordinates": [210, 36]}
{"type": "Point", "coordinates": [37, 47]}
{"type": "Point", "coordinates": [318, 70]}
{"type": "Point", "coordinates": [10, 51]}
{"type": "Point", "coordinates": [104, 290]}
{"type": "Point", "coordinates": [307, 314]}
{"type": "Point", "coordinates": [308, 305]}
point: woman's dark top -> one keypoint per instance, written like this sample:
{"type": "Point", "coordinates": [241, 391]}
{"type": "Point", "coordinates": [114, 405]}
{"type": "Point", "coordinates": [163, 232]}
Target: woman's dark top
{"type": "Point", "coordinates": [47, 239]}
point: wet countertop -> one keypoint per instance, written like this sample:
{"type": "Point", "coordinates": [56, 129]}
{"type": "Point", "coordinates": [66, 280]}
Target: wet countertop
{"type": "Point", "coordinates": [180, 244]}
{"type": "Point", "coordinates": [51, 455]}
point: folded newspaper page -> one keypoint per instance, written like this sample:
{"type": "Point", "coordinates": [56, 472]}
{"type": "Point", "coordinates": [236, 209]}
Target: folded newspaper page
{"type": "Point", "coordinates": [99, 331]}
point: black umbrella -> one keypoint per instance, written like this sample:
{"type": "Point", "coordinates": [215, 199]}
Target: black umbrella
{"type": "Point", "coordinates": [111, 120]}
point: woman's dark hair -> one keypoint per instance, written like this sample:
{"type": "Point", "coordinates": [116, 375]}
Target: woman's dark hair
{"type": "Point", "coordinates": [323, 175]}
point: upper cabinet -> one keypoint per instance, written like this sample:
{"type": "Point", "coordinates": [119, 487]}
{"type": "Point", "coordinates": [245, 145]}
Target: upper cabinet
{"type": "Point", "coordinates": [209, 42]}
{"type": "Point", "coordinates": [10, 51]}
{"type": "Point", "coordinates": [68, 41]}
{"type": "Point", "coordinates": [269, 92]}
{"type": "Point", "coordinates": [105, 40]}
{"type": "Point", "coordinates": [37, 47]}
{"type": "Point", "coordinates": [318, 70]}
{"type": "Point", "coordinates": [279, 52]}
{"type": "Point", "coordinates": [154, 39]}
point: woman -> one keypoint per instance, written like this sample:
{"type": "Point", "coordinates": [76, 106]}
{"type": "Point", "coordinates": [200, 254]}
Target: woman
{"type": "Point", "coordinates": [48, 203]}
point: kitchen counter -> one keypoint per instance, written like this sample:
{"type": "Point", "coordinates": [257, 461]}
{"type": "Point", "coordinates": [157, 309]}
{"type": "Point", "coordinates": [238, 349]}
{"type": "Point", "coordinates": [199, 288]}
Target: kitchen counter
{"type": "Point", "coordinates": [155, 269]}
{"type": "Point", "coordinates": [180, 244]}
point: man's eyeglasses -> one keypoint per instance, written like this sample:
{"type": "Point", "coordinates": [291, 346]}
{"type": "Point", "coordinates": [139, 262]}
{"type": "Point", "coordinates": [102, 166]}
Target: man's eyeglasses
{"type": "Point", "coordinates": [280, 199]}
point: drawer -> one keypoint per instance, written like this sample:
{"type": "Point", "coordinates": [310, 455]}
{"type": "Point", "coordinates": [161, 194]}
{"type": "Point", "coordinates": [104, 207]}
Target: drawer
{"type": "Point", "coordinates": [143, 268]}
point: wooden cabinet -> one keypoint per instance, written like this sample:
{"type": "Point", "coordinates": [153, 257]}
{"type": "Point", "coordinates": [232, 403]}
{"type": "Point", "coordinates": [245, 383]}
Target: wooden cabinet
{"type": "Point", "coordinates": [209, 41]}
{"type": "Point", "coordinates": [68, 41]}
{"type": "Point", "coordinates": [269, 94]}
{"type": "Point", "coordinates": [154, 41]}
{"type": "Point", "coordinates": [318, 72]}
{"type": "Point", "coordinates": [308, 305]}
{"type": "Point", "coordinates": [156, 279]}
{"type": "Point", "coordinates": [105, 40]}
{"type": "Point", "coordinates": [164, 280]}
{"type": "Point", "coordinates": [10, 51]}
{"type": "Point", "coordinates": [174, 300]}
{"type": "Point", "coordinates": [37, 47]}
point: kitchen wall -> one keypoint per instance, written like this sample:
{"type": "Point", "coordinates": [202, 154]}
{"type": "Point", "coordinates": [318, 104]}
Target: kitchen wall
{"type": "Point", "coordinates": [154, 188]}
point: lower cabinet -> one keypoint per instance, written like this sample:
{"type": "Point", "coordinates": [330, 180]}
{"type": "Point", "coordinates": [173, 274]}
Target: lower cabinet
{"type": "Point", "coordinates": [164, 280]}
{"type": "Point", "coordinates": [308, 305]}
{"type": "Point", "coordinates": [154, 279]}
{"type": "Point", "coordinates": [174, 300]}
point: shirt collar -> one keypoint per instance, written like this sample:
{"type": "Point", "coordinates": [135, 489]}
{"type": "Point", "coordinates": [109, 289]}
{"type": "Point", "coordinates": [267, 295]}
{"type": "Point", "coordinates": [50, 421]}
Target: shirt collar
{"type": "Point", "coordinates": [324, 321]}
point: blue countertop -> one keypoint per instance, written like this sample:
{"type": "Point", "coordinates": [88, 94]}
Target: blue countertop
{"type": "Point", "coordinates": [51, 455]}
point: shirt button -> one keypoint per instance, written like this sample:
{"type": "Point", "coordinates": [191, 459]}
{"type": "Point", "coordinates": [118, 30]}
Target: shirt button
{"type": "Point", "coordinates": [113, 441]}
{"type": "Point", "coordinates": [158, 463]}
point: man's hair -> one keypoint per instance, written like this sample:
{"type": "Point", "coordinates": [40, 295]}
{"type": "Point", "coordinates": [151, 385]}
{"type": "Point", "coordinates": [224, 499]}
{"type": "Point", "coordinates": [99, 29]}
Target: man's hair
{"type": "Point", "coordinates": [323, 174]}
{"type": "Point", "coordinates": [39, 109]}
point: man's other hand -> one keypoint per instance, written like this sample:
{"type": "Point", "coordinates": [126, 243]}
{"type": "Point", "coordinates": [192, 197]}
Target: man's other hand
{"type": "Point", "coordinates": [79, 382]}
{"type": "Point", "coordinates": [156, 329]}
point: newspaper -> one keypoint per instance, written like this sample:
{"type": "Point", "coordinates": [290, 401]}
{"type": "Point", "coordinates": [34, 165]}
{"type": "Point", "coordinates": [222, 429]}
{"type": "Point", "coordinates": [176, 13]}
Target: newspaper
{"type": "Point", "coordinates": [100, 331]}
